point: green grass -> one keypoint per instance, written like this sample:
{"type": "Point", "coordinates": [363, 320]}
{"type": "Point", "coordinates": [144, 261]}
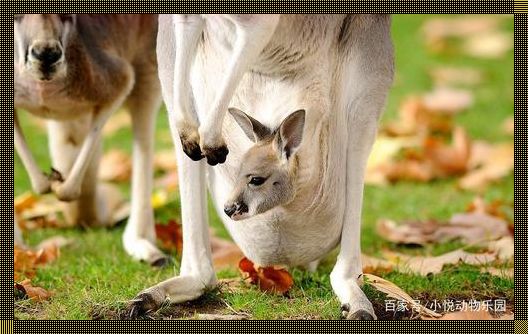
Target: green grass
{"type": "Point", "coordinates": [94, 277]}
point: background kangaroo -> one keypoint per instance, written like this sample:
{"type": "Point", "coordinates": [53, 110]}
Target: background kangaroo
{"type": "Point", "coordinates": [75, 71]}
{"type": "Point", "coordinates": [306, 93]}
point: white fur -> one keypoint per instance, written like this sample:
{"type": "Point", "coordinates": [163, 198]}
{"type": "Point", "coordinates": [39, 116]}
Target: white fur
{"type": "Point", "coordinates": [343, 94]}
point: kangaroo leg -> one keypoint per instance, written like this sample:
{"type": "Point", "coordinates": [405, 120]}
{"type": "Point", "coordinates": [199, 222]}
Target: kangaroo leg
{"type": "Point", "coordinates": [176, 51]}
{"type": "Point", "coordinates": [65, 141]}
{"type": "Point", "coordinates": [253, 32]}
{"type": "Point", "coordinates": [39, 181]}
{"type": "Point", "coordinates": [346, 275]}
{"type": "Point", "coordinates": [197, 272]}
{"type": "Point", "coordinates": [70, 188]}
{"type": "Point", "coordinates": [140, 237]}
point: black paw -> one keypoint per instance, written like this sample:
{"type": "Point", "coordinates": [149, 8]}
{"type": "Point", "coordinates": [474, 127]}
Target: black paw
{"type": "Point", "coordinates": [141, 305]}
{"type": "Point", "coordinates": [161, 262]}
{"type": "Point", "coordinates": [216, 155]}
{"type": "Point", "coordinates": [192, 149]}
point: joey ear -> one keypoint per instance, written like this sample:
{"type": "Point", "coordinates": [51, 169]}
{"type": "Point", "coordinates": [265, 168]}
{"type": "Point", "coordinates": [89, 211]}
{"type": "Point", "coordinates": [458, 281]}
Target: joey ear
{"type": "Point", "coordinates": [255, 130]}
{"type": "Point", "coordinates": [290, 134]}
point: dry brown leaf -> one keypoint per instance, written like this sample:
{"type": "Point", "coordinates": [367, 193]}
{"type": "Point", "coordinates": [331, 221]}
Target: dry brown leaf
{"type": "Point", "coordinates": [469, 227]}
{"type": "Point", "coordinates": [165, 161]}
{"type": "Point", "coordinates": [433, 265]}
{"type": "Point", "coordinates": [115, 166]}
{"type": "Point", "coordinates": [489, 163]}
{"type": "Point", "coordinates": [381, 158]}
{"type": "Point", "coordinates": [373, 265]}
{"type": "Point", "coordinates": [504, 248]}
{"type": "Point", "coordinates": [449, 160]}
{"type": "Point", "coordinates": [169, 181]}
{"type": "Point", "coordinates": [506, 273]}
{"type": "Point", "coordinates": [443, 76]}
{"type": "Point", "coordinates": [270, 279]}
{"type": "Point", "coordinates": [449, 101]}
{"type": "Point", "coordinates": [24, 263]}
{"type": "Point", "coordinates": [26, 260]}
{"type": "Point", "coordinates": [226, 254]}
{"type": "Point", "coordinates": [409, 170]}
{"type": "Point", "coordinates": [32, 292]}
{"type": "Point", "coordinates": [463, 26]}
{"type": "Point", "coordinates": [493, 44]}
{"type": "Point", "coordinates": [393, 291]}
{"type": "Point", "coordinates": [170, 235]}
{"type": "Point", "coordinates": [118, 121]}
{"type": "Point", "coordinates": [24, 202]}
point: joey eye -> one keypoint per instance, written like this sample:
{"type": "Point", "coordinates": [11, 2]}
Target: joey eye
{"type": "Point", "coordinates": [257, 181]}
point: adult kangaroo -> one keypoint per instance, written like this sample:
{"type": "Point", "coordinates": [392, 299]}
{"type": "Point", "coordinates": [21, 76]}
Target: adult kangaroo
{"type": "Point", "coordinates": [75, 71]}
{"type": "Point", "coordinates": [305, 93]}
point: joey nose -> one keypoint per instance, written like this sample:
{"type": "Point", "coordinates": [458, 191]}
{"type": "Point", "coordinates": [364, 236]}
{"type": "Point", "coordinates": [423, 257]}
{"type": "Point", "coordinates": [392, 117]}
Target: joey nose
{"type": "Point", "coordinates": [230, 210]}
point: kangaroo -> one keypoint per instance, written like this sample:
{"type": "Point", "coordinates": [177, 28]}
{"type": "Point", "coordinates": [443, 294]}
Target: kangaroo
{"type": "Point", "coordinates": [75, 71]}
{"type": "Point", "coordinates": [305, 93]}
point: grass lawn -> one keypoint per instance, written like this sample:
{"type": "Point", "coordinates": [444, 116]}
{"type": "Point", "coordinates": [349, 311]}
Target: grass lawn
{"type": "Point", "coordinates": [94, 277]}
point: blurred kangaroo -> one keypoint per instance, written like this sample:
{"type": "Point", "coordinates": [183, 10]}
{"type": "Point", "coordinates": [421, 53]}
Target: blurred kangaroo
{"type": "Point", "coordinates": [305, 93]}
{"type": "Point", "coordinates": [76, 71]}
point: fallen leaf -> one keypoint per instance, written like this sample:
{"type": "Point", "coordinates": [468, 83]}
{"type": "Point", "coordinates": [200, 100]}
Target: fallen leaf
{"type": "Point", "coordinates": [24, 202]}
{"type": "Point", "coordinates": [32, 292]}
{"type": "Point", "coordinates": [115, 166]}
{"type": "Point", "coordinates": [462, 26]}
{"type": "Point", "coordinates": [423, 265]}
{"type": "Point", "coordinates": [45, 212]}
{"type": "Point", "coordinates": [493, 44]}
{"type": "Point", "coordinates": [270, 279]}
{"type": "Point", "coordinates": [504, 247]}
{"type": "Point", "coordinates": [469, 227]}
{"type": "Point", "coordinates": [383, 153]}
{"type": "Point", "coordinates": [24, 263]}
{"type": "Point", "coordinates": [490, 163]}
{"type": "Point", "coordinates": [169, 181]}
{"type": "Point", "coordinates": [439, 33]}
{"type": "Point", "coordinates": [494, 208]}
{"type": "Point", "coordinates": [26, 260]}
{"type": "Point", "coordinates": [393, 291]}
{"type": "Point", "coordinates": [226, 254]}
{"type": "Point", "coordinates": [165, 161]}
{"type": "Point", "coordinates": [449, 160]}
{"type": "Point", "coordinates": [501, 272]}
{"type": "Point", "coordinates": [372, 265]}
{"type": "Point", "coordinates": [445, 100]}
{"type": "Point", "coordinates": [170, 235]}
{"type": "Point", "coordinates": [118, 121]}
{"type": "Point", "coordinates": [444, 76]}
{"type": "Point", "coordinates": [409, 170]}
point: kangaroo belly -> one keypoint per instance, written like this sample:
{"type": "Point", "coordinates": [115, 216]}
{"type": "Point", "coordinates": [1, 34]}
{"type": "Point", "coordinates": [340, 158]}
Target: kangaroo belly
{"type": "Point", "coordinates": [279, 236]}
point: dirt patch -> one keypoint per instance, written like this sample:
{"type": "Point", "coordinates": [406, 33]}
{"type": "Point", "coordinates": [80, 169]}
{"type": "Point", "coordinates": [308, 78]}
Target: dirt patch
{"type": "Point", "coordinates": [209, 304]}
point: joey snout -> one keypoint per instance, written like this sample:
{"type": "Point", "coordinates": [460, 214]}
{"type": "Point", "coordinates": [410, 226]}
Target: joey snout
{"type": "Point", "coordinates": [236, 210]}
